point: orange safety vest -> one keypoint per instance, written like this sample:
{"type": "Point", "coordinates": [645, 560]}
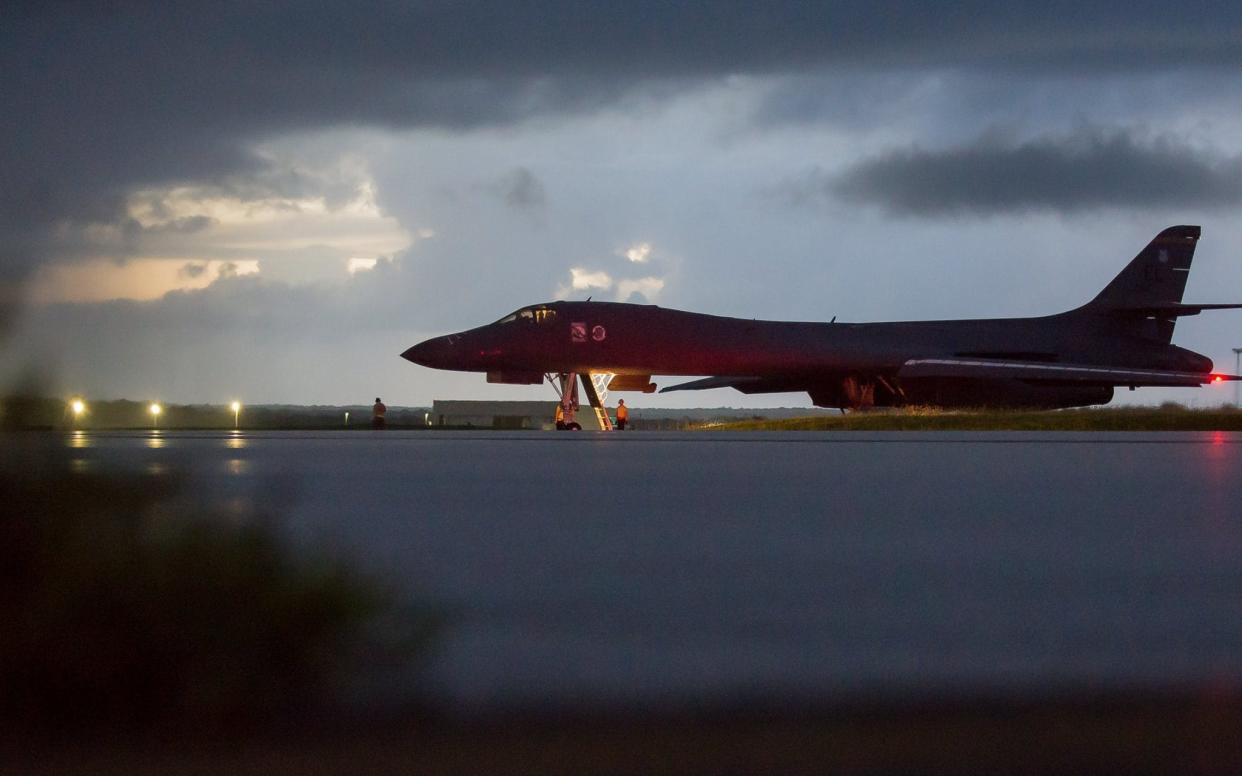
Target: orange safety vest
{"type": "Point", "coordinates": [378, 410]}
{"type": "Point", "coordinates": [623, 412]}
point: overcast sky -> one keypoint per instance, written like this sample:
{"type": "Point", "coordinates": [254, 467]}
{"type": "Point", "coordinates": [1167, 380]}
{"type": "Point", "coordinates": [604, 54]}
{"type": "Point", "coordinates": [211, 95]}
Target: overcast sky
{"type": "Point", "coordinates": [271, 201]}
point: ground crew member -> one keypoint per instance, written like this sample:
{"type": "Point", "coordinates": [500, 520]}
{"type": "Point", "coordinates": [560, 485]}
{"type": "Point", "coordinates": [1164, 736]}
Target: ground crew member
{"type": "Point", "coordinates": [377, 414]}
{"type": "Point", "coordinates": [623, 414]}
{"type": "Point", "coordinates": [559, 417]}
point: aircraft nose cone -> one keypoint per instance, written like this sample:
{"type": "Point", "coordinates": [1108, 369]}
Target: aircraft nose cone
{"type": "Point", "coordinates": [419, 354]}
{"type": "Point", "coordinates": [429, 353]}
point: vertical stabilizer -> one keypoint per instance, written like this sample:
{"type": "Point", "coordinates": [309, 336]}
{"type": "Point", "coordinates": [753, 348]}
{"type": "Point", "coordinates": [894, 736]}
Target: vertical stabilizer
{"type": "Point", "coordinates": [1154, 279]}
{"type": "Point", "coordinates": [1157, 275]}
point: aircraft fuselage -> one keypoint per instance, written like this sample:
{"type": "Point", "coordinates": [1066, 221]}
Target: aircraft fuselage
{"type": "Point", "coordinates": [1120, 338]}
{"type": "Point", "coordinates": [644, 339]}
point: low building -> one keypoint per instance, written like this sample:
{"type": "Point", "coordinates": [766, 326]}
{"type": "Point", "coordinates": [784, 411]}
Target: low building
{"type": "Point", "coordinates": [500, 414]}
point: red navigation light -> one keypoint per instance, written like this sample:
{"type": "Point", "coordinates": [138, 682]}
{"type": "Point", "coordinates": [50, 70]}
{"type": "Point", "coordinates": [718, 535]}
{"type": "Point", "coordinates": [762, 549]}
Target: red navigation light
{"type": "Point", "coordinates": [1217, 378]}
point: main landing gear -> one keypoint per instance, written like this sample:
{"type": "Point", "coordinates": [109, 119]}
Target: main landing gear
{"type": "Point", "coordinates": [859, 393]}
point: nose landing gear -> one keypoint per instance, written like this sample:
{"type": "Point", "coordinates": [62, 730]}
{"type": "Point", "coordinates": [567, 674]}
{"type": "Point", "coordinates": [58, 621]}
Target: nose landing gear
{"type": "Point", "coordinates": [593, 385]}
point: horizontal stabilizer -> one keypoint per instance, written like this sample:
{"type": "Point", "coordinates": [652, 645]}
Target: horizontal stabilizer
{"type": "Point", "coordinates": [1173, 309]}
{"type": "Point", "coordinates": [1031, 371]}
{"type": "Point", "coordinates": [711, 382]}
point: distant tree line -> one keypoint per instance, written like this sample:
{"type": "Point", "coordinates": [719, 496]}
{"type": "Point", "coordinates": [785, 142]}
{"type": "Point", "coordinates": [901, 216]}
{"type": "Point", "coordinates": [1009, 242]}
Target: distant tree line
{"type": "Point", "coordinates": [40, 412]}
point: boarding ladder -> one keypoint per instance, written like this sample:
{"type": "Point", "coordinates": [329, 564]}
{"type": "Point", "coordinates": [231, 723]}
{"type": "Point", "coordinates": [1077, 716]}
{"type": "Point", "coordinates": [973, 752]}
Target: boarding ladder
{"type": "Point", "coordinates": [595, 385]}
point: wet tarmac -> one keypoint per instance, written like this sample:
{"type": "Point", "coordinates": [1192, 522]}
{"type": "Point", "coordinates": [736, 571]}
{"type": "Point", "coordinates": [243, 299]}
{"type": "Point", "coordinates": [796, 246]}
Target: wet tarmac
{"type": "Point", "coordinates": [649, 568]}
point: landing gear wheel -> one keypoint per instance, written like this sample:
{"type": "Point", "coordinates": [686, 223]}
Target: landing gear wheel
{"type": "Point", "coordinates": [573, 427]}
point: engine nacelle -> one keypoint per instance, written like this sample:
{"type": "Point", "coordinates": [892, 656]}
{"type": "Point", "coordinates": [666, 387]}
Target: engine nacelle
{"type": "Point", "coordinates": [640, 383]}
{"type": "Point", "coordinates": [516, 377]}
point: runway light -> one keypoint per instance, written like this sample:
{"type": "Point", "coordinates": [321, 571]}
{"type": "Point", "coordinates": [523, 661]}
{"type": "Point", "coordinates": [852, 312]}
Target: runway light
{"type": "Point", "coordinates": [236, 408]}
{"type": "Point", "coordinates": [77, 407]}
{"type": "Point", "coordinates": [155, 409]}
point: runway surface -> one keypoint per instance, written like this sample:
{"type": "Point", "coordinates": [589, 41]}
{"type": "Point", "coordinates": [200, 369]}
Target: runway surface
{"type": "Point", "coordinates": [650, 568]}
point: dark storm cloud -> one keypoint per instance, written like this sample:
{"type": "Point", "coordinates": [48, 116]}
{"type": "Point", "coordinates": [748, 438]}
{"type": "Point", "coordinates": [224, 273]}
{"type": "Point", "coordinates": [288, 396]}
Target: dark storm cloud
{"type": "Point", "coordinates": [192, 269]}
{"type": "Point", "coordinates": [102, 98]}
{"type": "Point", "coordinates": [1087, 169]}
{"type": "Point", "coordinates": [521, 189]}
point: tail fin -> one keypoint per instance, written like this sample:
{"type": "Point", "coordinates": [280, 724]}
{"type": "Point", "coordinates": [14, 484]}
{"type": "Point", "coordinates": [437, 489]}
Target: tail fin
{"type": "Point", "coordinates": [1157, 275]}
{"type": "Point", "coordinates": [1147, 294]}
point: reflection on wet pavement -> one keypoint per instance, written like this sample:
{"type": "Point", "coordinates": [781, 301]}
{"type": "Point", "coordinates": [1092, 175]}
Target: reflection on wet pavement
{"type": "Point", "coordinates": [662, 565]}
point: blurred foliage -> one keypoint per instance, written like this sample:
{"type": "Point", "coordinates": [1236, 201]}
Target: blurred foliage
{"type": "Point", "coordinates": [26, 412]}
{"type": "Point", "coordinates": [123, 605]}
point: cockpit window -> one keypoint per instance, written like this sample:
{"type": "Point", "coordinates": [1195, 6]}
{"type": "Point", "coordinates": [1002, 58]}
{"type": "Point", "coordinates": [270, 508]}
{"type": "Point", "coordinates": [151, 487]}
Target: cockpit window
{"type": "Point", "coordinates": [539, 314]}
